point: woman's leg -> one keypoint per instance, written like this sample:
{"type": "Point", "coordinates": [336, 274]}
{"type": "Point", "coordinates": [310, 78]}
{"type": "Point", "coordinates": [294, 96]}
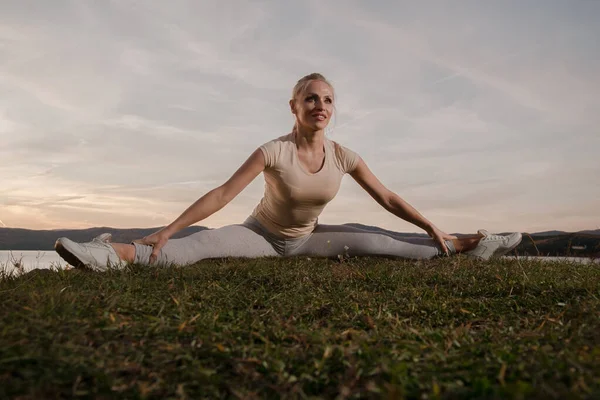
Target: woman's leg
{"type": "Point", "coordinates": [467, 243]}
{"type": "Point", "coordinates": [126, 252]}
{"type": "Point", "coordinates": [336, 240]}
{"type": "Point", "coordinates": [228, 241]}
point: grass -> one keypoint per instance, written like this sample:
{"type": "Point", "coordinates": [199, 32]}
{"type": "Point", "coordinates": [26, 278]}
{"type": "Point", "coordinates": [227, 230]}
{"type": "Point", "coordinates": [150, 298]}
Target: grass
{"type": "Point", "coordinates": [302, 328]}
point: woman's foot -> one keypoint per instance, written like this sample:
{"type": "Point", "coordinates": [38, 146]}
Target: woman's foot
{"type": "Point", "coordinates": [98, 254]}
{"type": "Point", "coordinates": [494, 245]}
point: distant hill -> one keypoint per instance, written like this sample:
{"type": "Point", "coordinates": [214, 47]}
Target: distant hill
{"type": "Point", "coordinates": [548, 243]}
{"type": "Point", "coordinates": [577, 244]}
{"type": "Point", "coordinates": [27, 239]}
{"type": "Point", "coordinates": [589, 232]}
{"type": "Point", "coordinates": [549, 233]}
{"type": "Point", "coordinates": [555, 233]}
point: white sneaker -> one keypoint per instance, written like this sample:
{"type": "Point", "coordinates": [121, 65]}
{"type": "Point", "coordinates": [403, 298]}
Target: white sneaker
{"type": "Point", "coordinates": [494, 245]}
{"type": "Point", "coordinates": [97, 254]}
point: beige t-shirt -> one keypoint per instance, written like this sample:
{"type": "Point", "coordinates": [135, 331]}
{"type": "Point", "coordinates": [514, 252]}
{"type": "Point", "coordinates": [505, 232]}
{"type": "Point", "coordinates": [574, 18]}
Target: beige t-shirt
{"type": "Point", "coordinates": [294, 198]}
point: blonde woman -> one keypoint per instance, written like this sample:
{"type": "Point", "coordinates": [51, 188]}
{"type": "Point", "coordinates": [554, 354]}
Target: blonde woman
{"type": "Point", "coordinates": [303, 171]}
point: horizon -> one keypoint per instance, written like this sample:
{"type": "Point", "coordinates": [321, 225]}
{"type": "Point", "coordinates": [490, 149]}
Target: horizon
{"type": "Point", "coordinates": [356, 223]}
{"type": "Point", "coordinates": [123, 114]}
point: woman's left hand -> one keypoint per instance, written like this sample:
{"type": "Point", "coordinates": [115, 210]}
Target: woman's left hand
{"type": "Point", "coordinates": [441, 237]}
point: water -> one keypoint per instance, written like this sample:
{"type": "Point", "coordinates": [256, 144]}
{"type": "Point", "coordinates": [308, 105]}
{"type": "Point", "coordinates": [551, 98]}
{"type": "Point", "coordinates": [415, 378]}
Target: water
{"type": "Point", "coordinates": [50, 259]}
{"type": "Point", "coordinates": [30, 260]}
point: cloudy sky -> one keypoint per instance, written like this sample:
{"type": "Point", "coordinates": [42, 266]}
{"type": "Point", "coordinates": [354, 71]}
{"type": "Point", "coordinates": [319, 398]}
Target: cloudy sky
{"type": "Point", "coordinates": [122, 113]}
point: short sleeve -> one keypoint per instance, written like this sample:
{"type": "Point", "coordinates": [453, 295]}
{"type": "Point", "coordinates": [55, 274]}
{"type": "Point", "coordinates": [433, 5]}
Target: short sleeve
{"type": "Point", "coordinates": [347, 158]}
{"type": "Point", "coordinates": [270, 151]}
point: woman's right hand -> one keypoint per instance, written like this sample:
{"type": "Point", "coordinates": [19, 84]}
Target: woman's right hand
{"type": "Point", "coordinates": [157, 240]}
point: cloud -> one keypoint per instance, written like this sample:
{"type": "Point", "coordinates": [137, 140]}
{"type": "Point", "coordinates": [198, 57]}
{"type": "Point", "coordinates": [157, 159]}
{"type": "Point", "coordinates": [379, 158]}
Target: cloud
{"type": "Point", "coordinates": [124, 113]}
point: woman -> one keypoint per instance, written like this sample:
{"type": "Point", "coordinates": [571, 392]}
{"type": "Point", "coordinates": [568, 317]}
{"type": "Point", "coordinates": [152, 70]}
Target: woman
{"type": "Point", "coordinates": [302, 171]}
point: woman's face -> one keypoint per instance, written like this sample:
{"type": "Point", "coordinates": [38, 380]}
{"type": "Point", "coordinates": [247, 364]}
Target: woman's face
{"type": "Point", "coordinates": [313, 108]}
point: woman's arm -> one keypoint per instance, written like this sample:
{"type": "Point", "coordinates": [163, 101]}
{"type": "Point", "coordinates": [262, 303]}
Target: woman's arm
{"type": "Point", "coordinates": [395, 204]}
{"type": "Point", "coordinates": [388, 199]}
{"type": "Point", "coordinates": [218, 198]}
{"type": "Point", "coordinates": [208, 204]}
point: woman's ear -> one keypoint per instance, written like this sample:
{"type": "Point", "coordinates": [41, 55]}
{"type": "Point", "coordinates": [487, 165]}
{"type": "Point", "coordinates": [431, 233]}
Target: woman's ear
{"type": "Point", "coordinates": [293, 106]}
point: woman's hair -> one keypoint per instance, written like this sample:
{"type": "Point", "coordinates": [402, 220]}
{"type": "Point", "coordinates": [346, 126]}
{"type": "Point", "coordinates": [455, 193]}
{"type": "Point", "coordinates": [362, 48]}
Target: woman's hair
{"type": "Point", "coordinates": [301, 85]}
{"type": "Point", "coordinates": [305, 80]}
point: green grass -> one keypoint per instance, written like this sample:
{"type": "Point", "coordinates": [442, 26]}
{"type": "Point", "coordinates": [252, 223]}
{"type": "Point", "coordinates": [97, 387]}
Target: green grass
{"type": "Point", "coordinates": [302, 328]}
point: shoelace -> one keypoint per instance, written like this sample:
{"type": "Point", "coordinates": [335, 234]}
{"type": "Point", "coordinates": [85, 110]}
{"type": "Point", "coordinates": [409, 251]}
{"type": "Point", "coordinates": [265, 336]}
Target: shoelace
{"type": "Point", "coordinates": [104, 238]}
{"type": "Point", "coordinates": [495, 237]}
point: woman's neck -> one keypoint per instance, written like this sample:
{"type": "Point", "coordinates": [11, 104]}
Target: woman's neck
{"type": "Point", "coordinates": [308, 139]}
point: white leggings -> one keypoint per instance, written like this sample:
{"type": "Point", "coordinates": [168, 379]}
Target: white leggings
{"type": "Point", "coordinates": [251, 239]}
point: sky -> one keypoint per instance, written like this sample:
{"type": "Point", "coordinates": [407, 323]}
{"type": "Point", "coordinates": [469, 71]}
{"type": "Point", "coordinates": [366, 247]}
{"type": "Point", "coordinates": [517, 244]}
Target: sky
{"type": "Point", "coordinates": [123, 113]}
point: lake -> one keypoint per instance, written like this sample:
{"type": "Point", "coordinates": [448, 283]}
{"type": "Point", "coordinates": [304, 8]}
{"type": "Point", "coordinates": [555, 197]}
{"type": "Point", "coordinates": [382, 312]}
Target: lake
{"type": "Point", "coordinates": [30, 259]}
{"type": "Point", "coordinates": [44, 259]}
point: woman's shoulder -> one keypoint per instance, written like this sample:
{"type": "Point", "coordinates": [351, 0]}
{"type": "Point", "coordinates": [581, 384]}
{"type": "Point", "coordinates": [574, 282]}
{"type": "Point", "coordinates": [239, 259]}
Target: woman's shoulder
{"type": "Point", "coordinates": [273, 149]}
{"type": "Point", "coordinates": [346, 158]}
{"type": "Point", "coordinates": [340, 149]}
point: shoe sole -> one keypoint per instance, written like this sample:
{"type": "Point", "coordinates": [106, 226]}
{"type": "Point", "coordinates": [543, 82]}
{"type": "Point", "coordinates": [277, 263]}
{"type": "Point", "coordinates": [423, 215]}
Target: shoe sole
{"type": "Point", "coordinates": [69, 257]}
